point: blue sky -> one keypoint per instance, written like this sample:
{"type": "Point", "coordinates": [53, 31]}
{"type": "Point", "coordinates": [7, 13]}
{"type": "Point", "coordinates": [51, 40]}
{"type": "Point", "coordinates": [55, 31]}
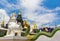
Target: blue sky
{"type": "Point", "coordinates": [43, 12]}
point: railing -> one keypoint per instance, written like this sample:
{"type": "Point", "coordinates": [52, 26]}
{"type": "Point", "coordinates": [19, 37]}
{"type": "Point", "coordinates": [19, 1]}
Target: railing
{"type": "Point", "coordinates": [3, 29]}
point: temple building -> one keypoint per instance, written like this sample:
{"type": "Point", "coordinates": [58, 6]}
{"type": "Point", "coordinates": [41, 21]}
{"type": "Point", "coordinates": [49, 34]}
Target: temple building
{"type": "Point", "coordinates": [16, 26]}
{"type": "Point", "coordinates": [13, 26]}
{"type": "Point", "coordinates": [34, 29]}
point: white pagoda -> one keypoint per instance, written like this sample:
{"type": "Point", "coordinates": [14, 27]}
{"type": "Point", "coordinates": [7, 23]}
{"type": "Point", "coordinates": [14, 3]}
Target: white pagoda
{"type": "Point", "coordinates": [14, 28]}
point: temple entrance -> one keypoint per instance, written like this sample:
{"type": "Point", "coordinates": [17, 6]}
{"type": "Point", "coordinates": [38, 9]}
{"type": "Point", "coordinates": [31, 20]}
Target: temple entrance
{"type": "Point", "coordinates": [16, 34]}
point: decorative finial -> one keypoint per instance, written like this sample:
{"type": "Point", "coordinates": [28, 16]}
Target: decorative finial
{"type": "Point", "coordinates": [20, 12]}
{"type": "Point", "coordinates": [13, 14]}
{"type": "Point", "coordinates": [34, 26]}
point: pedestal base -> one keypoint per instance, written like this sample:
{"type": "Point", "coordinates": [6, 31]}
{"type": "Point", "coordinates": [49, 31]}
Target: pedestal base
{"type": "Point", "coordinates": [13, 38]}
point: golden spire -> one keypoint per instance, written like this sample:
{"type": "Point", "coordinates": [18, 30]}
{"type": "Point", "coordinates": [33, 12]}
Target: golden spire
{"type": "Point", "coordinates": [26, 24]}
{"type": "Point", "coordinates": [2, 24]}
{"type": "Point", "coordinates": [34, 26]}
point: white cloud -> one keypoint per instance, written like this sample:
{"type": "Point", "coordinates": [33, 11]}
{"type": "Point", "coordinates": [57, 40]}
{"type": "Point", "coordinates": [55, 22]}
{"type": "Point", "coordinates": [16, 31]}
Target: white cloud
{"type": "Point", "coordinates": [10, 6]}
{"type": "Point", "coordinates": [41, 19]}
{"type": "Point", "coordinates": [3, 16]}
{"type": "Point", "coordinates": [58, 25]}
{"type": "Point", "coordinates": [31, 6]}
{"type": "Point", "coordinates": [57, 9]}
